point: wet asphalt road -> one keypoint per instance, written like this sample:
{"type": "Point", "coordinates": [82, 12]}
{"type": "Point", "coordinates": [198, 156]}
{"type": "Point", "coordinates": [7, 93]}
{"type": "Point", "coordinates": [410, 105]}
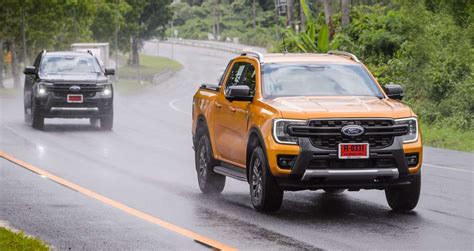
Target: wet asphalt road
{"type": "Point", "coordinates": [147, 163]}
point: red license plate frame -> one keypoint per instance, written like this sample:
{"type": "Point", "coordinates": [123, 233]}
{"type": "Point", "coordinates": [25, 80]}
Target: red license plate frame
{"type": "Point", "coordinates": [75, 98]}
{"type": "Point", "coordinates": [353, 150]}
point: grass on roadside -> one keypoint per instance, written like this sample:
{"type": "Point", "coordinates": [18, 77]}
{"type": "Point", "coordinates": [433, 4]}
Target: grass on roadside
{"type": "Point", "coordinates": [449, 138]}
{"type": "Point", "coordinates": [149, 66]}
{"type": "Point", "coordinates": [19, 241]}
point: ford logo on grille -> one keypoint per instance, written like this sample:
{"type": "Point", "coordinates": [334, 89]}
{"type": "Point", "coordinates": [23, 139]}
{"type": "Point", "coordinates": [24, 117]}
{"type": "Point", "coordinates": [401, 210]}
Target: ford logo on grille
{"type": "Point", "coordinates": [75, 88]}
{"type": "Point", "coordinates": [352, 130]}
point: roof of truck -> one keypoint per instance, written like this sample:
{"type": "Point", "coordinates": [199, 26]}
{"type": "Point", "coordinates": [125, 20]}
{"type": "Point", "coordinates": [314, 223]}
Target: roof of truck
{"type": "Point", "coordinates": [71, 53]}
{"type": "Point", "coordinates": [305, 57]}
{"type": "Point", "coordinates": [330, 57]}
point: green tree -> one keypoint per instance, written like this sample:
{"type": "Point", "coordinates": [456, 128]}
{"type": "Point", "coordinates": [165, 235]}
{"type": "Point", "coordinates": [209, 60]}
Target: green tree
{"type": "Point", "coordinates": [46, 25]}
{"type": "Point", "coordinates": [144, 20]}
{"type": "Point", "coordinates": [310, 40]}
{"type": "Point", "coordinates": [109, 21]}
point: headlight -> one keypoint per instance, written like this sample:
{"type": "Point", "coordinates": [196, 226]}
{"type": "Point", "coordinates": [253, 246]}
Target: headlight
{"type": "Point", "coordinates": [412, 124]}
{"type": "Point", "coordinates": [107, 91]}
{"type": "Point", "coordinates": [42, 88]}
{"type": "Point", "coordinates": [280, 133]}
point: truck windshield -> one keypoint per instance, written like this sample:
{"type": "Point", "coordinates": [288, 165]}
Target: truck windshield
{"type": "Point", "coordinates": [69, 64]}
{"type": "Point", "coordinates": [317, 80]}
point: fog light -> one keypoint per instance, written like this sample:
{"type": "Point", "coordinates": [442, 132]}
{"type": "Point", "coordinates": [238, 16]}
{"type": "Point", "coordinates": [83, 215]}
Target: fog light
{"type": "Point", "coordinates": [286, 161]}
{"type": "Point", "coordinates": [412, 159]}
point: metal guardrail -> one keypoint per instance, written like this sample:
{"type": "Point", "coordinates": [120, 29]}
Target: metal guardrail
{"type": "Point", "coordinates": [203, 45]}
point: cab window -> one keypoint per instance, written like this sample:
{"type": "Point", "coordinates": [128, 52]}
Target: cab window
{"type": "Point", "coordinates": [249, 78]}
{"type": "Point", "coordinates": [242, 74]}
{"type": "Point", "coordinates": [235, 74]}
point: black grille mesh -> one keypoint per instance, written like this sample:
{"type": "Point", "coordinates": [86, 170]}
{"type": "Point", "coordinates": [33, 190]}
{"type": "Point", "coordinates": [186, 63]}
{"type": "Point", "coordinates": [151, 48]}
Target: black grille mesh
{"type": "Point", "coordinates": [331, 142]}
{"type": "Point", "coordinates": [62, 89]}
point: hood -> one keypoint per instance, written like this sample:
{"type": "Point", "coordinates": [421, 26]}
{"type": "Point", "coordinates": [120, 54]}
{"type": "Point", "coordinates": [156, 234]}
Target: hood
{"type": "Point", "coordinates": [79, 78]}
{"type": "Point", "coordinates": [332, 107]}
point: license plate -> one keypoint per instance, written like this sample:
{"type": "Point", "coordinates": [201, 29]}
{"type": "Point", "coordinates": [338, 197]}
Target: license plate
{"type": "Point", "coordinates": [74, 98]}
{"type": "Point", "coordinates": [353, 150]}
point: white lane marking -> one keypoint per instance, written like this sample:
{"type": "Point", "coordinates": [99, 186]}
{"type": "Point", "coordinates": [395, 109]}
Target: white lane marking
{"type": "Point", "coordinates": [449, 168]}
{"type": "Point", "coordinates": [171, 104]}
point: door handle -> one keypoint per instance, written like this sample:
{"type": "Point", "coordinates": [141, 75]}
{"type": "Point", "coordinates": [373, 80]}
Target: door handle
{"type": "Point", "coordinates": [232, 109]}
{"type": "Point", "coordinates": [218, 105]}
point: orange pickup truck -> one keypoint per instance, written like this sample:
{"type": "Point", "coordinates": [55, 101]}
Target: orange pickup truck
{"type": "Point", "coordinates": [287, 122]}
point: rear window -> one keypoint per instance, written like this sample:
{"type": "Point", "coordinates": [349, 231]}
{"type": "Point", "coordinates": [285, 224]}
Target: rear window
{"type": "Point", "coordinates": [69, 64]}
{"type": "Point", "coordinates": [281, 80]}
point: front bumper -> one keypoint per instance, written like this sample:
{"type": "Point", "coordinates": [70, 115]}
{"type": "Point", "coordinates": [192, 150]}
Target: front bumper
{"type": "Point", "coordinates": [93, 106]}
{"type": "Point", "coordinates": [316, 168]}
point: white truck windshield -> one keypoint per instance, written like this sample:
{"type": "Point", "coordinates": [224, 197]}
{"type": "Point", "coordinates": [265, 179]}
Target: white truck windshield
{"type": "Point", "coordinates": [69, 64]}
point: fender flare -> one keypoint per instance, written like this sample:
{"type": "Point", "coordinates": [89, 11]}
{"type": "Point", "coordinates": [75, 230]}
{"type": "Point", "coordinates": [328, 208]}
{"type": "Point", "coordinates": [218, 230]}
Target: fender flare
{"type": "Point", "coordinates": [254, 131]}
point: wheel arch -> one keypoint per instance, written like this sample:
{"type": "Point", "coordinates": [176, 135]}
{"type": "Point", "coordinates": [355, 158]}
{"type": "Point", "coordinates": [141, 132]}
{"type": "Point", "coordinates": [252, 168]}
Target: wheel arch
{"type": "Point", "coordinates": [201, 124]}
{"type": "Point", "coordinates": [255, 139]}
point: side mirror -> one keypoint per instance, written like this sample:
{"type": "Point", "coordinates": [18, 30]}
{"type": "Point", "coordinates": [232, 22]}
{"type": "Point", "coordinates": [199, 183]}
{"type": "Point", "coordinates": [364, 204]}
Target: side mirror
{"type": "Point", "coordinates": [394, 91]}
{"type": "Point", "coordinates": [238, 93]}
{"type": "Point", "coordinates": [109, 71]}
{"type": "Point", "coordinates": [29, 70]}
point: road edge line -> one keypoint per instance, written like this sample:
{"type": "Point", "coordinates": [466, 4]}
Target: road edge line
{"type": "Point", "coordinates": [174, 107]}
{"type": "Point", "coordinates": [139, 214]}
{"type": "Point", "coordinates": [449, 168]}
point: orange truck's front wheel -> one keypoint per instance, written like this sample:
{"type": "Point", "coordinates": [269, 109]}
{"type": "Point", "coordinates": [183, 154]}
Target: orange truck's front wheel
{"type": "Point", "coordinates": [404, 198]}
{"type": "Point", "coordinates": [265, 193]}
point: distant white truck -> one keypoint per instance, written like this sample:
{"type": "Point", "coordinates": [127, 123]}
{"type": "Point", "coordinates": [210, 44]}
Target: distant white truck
{"type": "Point", "coordinates": [100, 50]}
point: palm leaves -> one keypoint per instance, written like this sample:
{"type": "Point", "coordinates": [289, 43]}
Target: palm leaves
{"type": "Point", "coordinates": [309, 40]}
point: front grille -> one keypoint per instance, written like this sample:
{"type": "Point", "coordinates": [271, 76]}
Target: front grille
{"type": "Point", "coordinates": [62, 89]}
{"type": "Point", "coordinates": [85, 94]}
{"type": "Point", "coordinates": [326, 134]}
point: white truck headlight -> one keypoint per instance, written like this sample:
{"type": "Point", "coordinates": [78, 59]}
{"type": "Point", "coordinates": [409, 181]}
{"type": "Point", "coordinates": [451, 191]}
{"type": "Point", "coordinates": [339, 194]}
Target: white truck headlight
{"type": "Point", "coordinates": [412, 124]}
{"type": "Point", "coordinates": [280, 133]}
{"type": "Point", "coordinates": [42, 88]}
{"type": "Point", "coordinates": [107, 91]}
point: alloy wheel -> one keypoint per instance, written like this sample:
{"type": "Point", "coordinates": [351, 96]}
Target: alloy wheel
{"type": "Point", "coordinates": [257, 181]}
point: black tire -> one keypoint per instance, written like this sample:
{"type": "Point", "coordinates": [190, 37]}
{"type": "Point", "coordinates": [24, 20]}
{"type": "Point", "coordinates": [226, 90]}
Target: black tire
{"type": "Point", "coordinates": [27, 105]}
{"type": "Point", "coordinates": [107, 121]}
{"type": "Point", "coordinates": [209, 181]}
{"type": "Point", "coordinates": [334, 190]}
{"type": "Point", "coordinates": [404, 198]}
{"type": "Point", "coordinates": [37, 118]}
{"type": "Point", "coordinates": [265, 193]}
